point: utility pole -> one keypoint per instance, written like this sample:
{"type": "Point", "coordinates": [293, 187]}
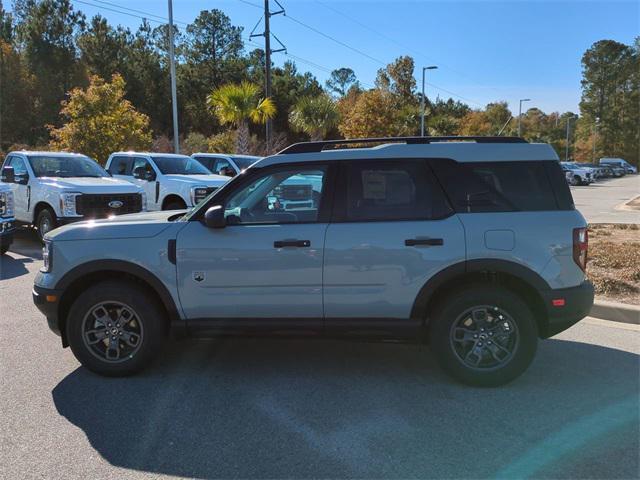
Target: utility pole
{"type": "Point", "coordinates": [267, 56]}
{"type": "Point", "coordinates": [595, 137]}
{"type": "Point", "coordinates": [520, 115]}
{"type": "Point", "coordinates": [422, 102]}
{"type": "Point", "coordinates": [174, 95]}
{"type": "Point", "coordinates": [566, 147]}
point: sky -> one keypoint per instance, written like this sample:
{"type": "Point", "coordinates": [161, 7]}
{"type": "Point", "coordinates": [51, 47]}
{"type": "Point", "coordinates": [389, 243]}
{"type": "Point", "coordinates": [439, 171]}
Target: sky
{"type": "Point", "coordinates": [485, 50]}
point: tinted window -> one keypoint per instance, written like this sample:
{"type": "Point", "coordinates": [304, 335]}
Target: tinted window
{"type": "Point", "coordinates": [391, 190]}
{"type": "Point", "coordinates": [496, 186]}
{"type": "Point", "coordinates": [19, 167]}
{"type": "Point", "coordinates": [283, 196]}
{"type": "Point", "coordinates": [180, 166]}
{"type": "Point", "coordinates": [244, 161]}
{"type": "Point", "coordinates": [207, 162]}
{"type": "Point", "coordinates": [120, 166]}
{"type": "Point", "coordinates": [141, 162]}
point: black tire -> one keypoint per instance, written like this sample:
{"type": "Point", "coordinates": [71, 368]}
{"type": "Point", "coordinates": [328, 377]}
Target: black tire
{"type": "Point", "coordinates": [4, 249]}
{"type": "Point", "coordinates": [175, 205]}
{"type": "Point", "coordinates": [45, 222]}
{"type": "Point", "coordinates": [521, 324]}
{"type": "Point", "coordinates": [150, 325]}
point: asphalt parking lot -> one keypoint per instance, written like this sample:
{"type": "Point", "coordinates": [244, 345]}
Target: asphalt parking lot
{"type": "Point", "coordinates": [297, 409]}
{"type": "Point", "coordinates": [603, 201]}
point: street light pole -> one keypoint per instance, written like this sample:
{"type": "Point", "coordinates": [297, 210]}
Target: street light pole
{"type": "Point", "coordinates": [520, 115]}
{"type": "Point", "coordinates": [595, 137]}
{"type": "Point", "coordinates": [422, 102]}
{"type": "Point", "coordinates": [174, 96]}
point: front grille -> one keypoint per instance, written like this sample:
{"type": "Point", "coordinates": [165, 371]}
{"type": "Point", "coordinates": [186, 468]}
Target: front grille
{"type": "Point", "coordinates": [295, 192]}
{"type": "Point", "coordinates": [97, 206]}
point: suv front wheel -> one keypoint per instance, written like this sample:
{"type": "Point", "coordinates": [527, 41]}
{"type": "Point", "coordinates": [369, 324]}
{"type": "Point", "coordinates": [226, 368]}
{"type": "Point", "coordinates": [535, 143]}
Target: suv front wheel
{"type": "Point", "coordinates": [484, 336]}
{"type": "Point", "coordinates": [115, 328]}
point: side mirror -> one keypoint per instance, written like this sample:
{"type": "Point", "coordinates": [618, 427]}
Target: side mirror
{"type": "Point", "coordinates": [138, 173]}
{"type": "Point", "coordinates": [214, 217]}
{"type": "Point", "coordinates": [8, 175]}
{"type": "Point", "coordinates": [227, 172]}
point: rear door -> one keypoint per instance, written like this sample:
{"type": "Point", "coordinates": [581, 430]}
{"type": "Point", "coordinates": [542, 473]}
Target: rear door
{"type": "Point", "coordinates": [391, 231]}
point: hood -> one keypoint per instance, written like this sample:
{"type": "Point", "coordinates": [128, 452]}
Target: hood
{"type": "Point", "coordinates": [91, 184]}
{"type": "Point", "coordinates": [134, 225]}
{"type": "Point", "coordinates": [208, 180]}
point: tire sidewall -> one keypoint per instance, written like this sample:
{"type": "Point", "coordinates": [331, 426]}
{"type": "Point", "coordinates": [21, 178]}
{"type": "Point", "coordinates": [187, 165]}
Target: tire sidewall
{"type": "Point", "coordinates": [45, 213]}
{"type": "Point", "coordinates": [139, 299]}
{"type": "Point", "coordinates": [453, 306]}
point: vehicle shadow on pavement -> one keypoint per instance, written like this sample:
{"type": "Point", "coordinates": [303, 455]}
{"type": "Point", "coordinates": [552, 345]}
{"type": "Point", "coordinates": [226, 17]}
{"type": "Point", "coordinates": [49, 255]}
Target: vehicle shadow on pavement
{"type": "Point", "coordinates": [25, 249]}
{"type": "Point", "coordinates": [252, 408]}
{"type": "Point", "coordinates": [12, 267]}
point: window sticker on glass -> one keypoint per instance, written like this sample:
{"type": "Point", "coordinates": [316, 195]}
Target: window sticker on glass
{"type": "Point", "coordinates": [374, 185]}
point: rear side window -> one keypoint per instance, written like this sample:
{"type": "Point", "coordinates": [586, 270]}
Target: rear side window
{"type": "Point", "coordinates": [498, 186]}
{"type": "Point", "coordinates": [120, 166]}
{"type": "Point", "coordinates": [389, 190]}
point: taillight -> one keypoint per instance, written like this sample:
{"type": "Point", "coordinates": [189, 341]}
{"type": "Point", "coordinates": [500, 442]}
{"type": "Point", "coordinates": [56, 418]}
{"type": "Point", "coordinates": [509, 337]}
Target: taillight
{"type": "Point", "coordinates": [580, 247]}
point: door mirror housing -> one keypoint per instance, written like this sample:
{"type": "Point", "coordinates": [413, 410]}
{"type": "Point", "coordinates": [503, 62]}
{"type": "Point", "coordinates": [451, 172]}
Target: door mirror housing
{"type": "Point", "coordinates": [214, 217]}
{"type": "Point", "coordinates": [8, 175]}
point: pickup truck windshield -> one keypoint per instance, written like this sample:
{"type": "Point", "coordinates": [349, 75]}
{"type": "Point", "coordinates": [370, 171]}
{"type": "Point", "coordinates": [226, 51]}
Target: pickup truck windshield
{"type": "Point", "coordinates": [180, 166]}
{"type": "Point", "coordinates": [66, 167]}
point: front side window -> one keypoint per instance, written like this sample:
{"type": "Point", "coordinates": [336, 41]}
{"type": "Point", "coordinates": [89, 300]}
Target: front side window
{"type": "Point", "coordinates": [180, 166]}
{"type": "Point", "coordinates": [65, 166]}
{"type": "Point", "coordinates": [19, 167]}
{"type": "Point", "coordinates": [283, 196]}
{"type": "Point", "coordinates": [120, 166]}
{"type": "Point", "coordinates": [392, 190]}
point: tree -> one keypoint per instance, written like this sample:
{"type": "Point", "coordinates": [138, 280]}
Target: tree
{"type": "Point", "coordinates": [374, 114]}
{"type": "Point", "coordinates": [99, 121]}
{"type": "Point", "coordinates": [341, 80]}
{"type": "Point", "coordinates": [475, 122]}
{"type": "Point", "coordinates": [398, 78]}
{"type": "Point", "coordinates": [104, 49]}
{"type": "Point", "coordinates": [237, 105]}
{"type": "Point", "coordinates": [315, 116]}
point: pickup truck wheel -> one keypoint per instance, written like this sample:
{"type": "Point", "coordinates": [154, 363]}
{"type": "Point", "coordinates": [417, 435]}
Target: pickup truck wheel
{"type": "Point", "coordinates": [45, 222]}
{"type": "Point", "coordinates": [115, 328]}
{"type": "Point", "coordinates": [575, 180]}
{"type": "Point", "coordinates": [175, 205]}
{"type": "Point", "coordinates": [484, 336]}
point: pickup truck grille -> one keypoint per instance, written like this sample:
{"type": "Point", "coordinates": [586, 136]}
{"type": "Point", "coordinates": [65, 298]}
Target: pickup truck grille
{"type": "Point", "coordinates": [102, 206]}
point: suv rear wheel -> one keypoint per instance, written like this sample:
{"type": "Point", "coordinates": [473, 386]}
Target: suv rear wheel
{"type": "Point", "coordinates": [484, 336]}
{"type": "Point", "coordinates": [115, 329]}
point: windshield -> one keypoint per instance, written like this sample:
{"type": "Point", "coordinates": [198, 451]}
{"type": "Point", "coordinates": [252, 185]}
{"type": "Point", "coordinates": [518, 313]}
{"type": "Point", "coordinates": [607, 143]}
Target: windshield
{"type": "Point", "coordinates": [66, 166]}
{"type": "Point", "coordinates": [245, 161]}
{"type": "Point", "coordinates": [180, 166]}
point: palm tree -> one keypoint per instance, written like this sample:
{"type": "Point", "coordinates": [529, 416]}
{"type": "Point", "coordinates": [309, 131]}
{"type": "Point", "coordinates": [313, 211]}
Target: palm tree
{"type": "Point", "coordinates": [315, 116]}
{"type": "Point", "coordinates": [237, 105]}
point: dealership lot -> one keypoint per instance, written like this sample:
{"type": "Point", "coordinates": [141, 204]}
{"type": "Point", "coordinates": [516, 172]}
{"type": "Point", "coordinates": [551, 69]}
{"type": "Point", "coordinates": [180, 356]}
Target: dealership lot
{"type": "Point", "coordinates": [300, 408]}
{"type": "Point", "coordinates": [602, 202]}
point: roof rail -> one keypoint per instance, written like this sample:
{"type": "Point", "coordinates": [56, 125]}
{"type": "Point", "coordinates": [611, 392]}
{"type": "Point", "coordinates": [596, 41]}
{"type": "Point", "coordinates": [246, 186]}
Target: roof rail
{"type": "Point", "coordinates": [311, 147]}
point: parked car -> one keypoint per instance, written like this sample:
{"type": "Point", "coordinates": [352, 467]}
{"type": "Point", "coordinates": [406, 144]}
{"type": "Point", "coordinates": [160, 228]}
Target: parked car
{"type": "Point", "coordinates": [225, 164]}
{"type": "Point", "coordinates": [620, 163]}
{"type": "Point", "coordinates": [577, 175]}
{"type": "Point", "coordinates": [7, 220]}
{"type": "Point", "coordinates": [474, 246]}
{"type": "Point", "coordinates": [171, 182]}
{"type": "Point", "coordinates": [597, 171]}
{"type": "Point", "coordinates": [54, 188]}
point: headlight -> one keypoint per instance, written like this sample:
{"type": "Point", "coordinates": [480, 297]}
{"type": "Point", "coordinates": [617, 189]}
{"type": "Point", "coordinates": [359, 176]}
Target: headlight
{"type": "Point", "coordinates": [198, 194]}
{"type": "Point", "coordinates": [144, 201]}
{"type": "Point", "coordinates": [46, 256]}
{"type": "Point", "coordinates": [68, 204]}
{"type": "Point", "coordinates": [6, 204]}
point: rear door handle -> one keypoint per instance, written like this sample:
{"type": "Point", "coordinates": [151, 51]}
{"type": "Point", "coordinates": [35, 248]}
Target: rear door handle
{"type": "Point", "coordinates": [291, 243]}
{"type": "Point", "coordinates": [429, 242]}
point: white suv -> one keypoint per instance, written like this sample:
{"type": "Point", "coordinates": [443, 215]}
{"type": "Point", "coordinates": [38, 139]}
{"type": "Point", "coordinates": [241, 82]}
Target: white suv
{"type": "Point", "coordinates": [54, 188]}
{"type": "Point", "coordinates": [171, 182]}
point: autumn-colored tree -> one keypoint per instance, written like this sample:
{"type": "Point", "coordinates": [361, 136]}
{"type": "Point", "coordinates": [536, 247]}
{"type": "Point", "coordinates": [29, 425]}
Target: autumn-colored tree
{"type": "Point", "coordinates": [315, 116]}
{"type": "Point", "coordinates": [99, 121]}
{"type": "Point", "coordinates": [475, 122]}
{"type": "Point", "coordinates": [237, 105]}
{"type": "Point", "coordinates": [374, 114]}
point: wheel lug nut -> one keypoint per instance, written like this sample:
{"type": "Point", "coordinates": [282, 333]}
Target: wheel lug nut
{"type": "Point", "coordinates": [491, 334]}
{"type": "Point", "coordinates": [489, 342]}
{"type": "Point", "coordinates": [480, 344]}
{"type": "Point", "coordinates": [475, 336]}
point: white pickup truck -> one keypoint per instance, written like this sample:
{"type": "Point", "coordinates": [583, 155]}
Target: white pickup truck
{"type": "Point", "coordinates": [6, 217]}
{"type": "Point", "coordinates": [54, 188]}
{"type": "Point", "coordinates": [171, 182]}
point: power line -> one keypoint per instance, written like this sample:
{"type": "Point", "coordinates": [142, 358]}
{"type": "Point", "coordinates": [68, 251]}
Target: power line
{"type": "Point", "coordinates": [147, 14]}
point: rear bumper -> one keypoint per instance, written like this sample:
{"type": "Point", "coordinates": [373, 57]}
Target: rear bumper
{"type": "Point", "coordinates": [566, 307]}
{"type": "Point", "coordinates": [47, 300]}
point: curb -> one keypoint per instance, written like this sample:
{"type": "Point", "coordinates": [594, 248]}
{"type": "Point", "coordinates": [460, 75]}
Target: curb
{"type": "Point", "coordinates": [616, 312]}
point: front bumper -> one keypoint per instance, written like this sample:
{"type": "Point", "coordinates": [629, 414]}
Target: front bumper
{"type": "Point", "coordinates": [7, 227]}
{"type": "Point", "coordinates": [566, 307]}
{"type": "Point", "coordinates": [48, 300]}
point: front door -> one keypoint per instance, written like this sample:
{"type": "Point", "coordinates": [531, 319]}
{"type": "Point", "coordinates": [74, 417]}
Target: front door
{"type": "Point", "coordinates": [21, 192]}
{"type": "Point", "coordinates": [267, 262]}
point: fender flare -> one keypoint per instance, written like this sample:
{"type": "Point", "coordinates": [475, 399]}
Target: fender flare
{"type": "Point", "coordinates": [479, 266]}
{"type": "Point", "coordinates": [122, 266]}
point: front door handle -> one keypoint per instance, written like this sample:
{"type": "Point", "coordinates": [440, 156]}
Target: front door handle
{"type": "Point", "coordinates": [291, 243]}
{"type": "Point", "coordinates": [429, 242]}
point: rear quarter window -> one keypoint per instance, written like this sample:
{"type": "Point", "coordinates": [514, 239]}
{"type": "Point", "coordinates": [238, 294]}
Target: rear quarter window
{"type": "Point", "coordinates": [503, 186]}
